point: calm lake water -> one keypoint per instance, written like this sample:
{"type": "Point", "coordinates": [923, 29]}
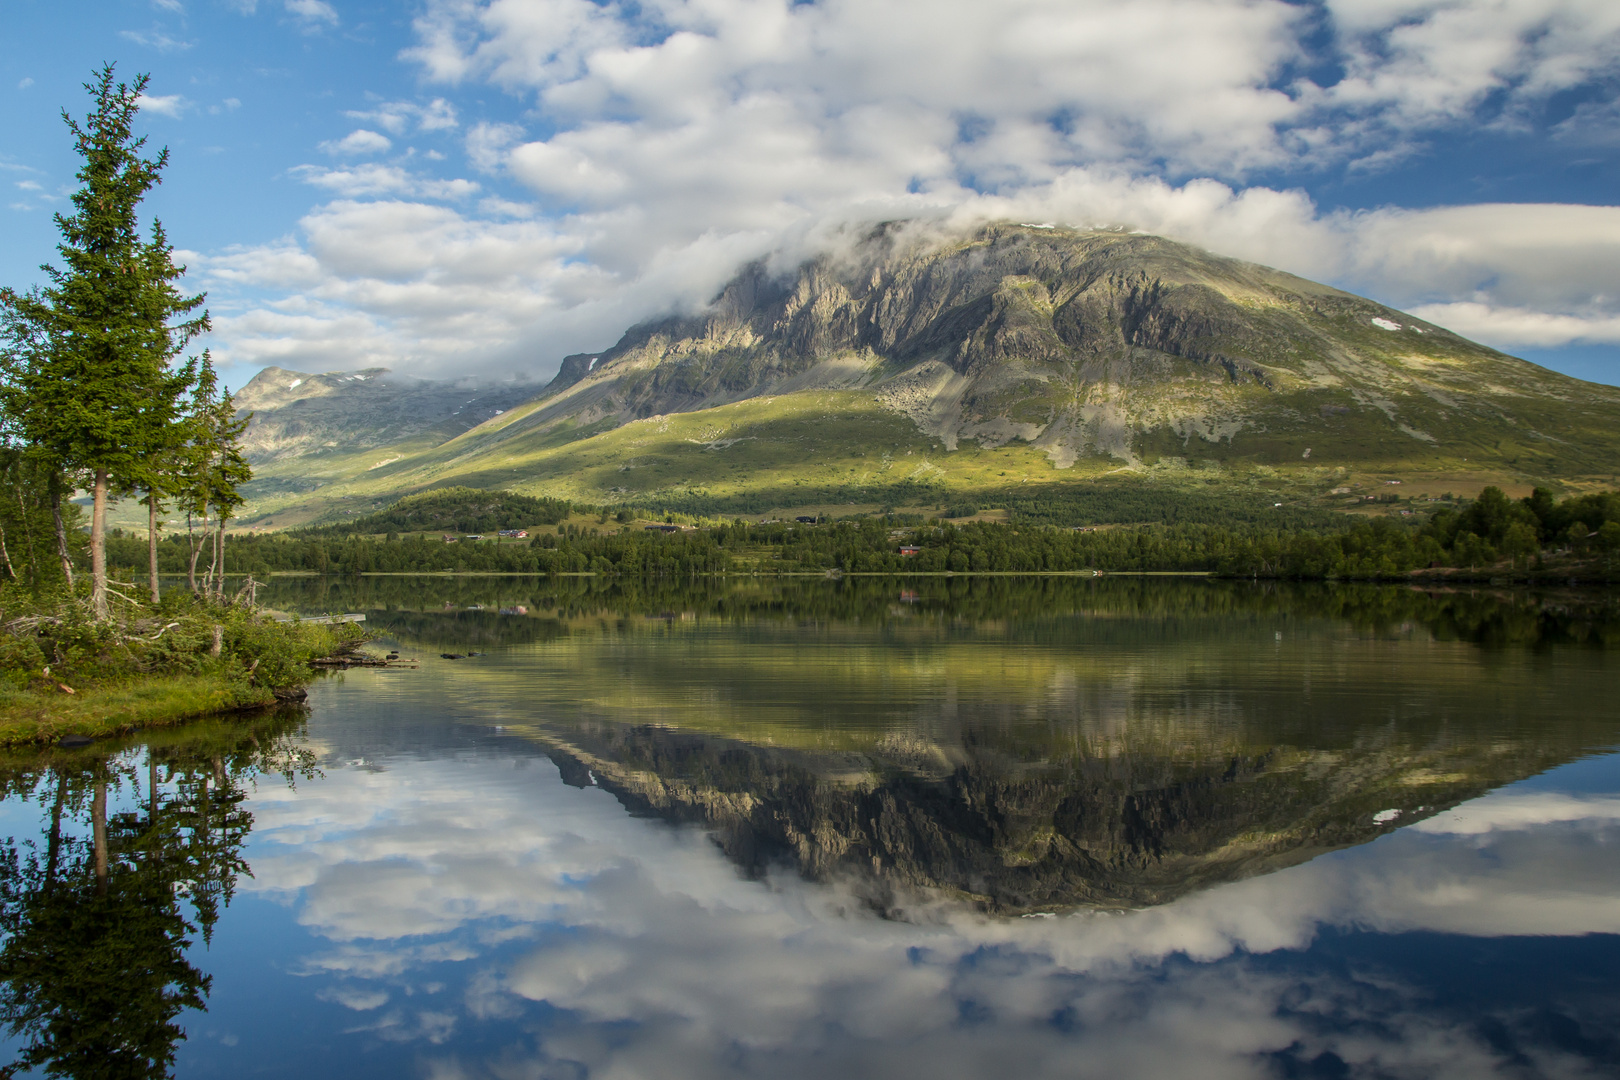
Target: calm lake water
{"type": "Point", "coordinates": [962, 828]}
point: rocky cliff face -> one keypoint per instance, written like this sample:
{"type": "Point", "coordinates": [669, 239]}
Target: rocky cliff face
{"type": "Point", "coordinates": [1085, 343]}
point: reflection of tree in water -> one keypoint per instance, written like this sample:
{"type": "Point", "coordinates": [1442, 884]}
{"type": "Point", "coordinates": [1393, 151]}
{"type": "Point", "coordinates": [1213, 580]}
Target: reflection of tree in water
{"type": "Point", "coordinates": [98, 914]}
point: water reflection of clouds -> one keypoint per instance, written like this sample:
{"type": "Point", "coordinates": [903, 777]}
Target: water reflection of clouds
{"type": "Point", "coordinates": [664, 962]}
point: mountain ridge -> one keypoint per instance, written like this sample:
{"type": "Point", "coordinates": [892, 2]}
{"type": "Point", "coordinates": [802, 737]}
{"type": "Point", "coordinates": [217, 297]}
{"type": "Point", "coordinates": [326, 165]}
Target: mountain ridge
{"type": "Point", "coordinates": [1040, 355]}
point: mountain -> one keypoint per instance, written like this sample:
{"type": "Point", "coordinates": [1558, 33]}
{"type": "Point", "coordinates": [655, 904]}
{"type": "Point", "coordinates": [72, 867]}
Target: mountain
{"type": "Point", "coordinates": [309, 429]}
{"type": "Point", "coordinates": [1020, 355]}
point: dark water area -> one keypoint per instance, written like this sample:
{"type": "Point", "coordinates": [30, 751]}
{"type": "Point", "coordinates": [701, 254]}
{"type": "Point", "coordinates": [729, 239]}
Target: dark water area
{"type": "Point", "coordinates": [965, 827]}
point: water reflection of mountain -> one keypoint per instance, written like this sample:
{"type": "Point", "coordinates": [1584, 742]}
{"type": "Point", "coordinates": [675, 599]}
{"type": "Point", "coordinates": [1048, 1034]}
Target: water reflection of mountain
{"type": "Point", "coordinates": [138, 854]}
{"type": "Point", "coordinates": [1127, 825]}
{"type": "Point", "coordinates": [1023, 743]}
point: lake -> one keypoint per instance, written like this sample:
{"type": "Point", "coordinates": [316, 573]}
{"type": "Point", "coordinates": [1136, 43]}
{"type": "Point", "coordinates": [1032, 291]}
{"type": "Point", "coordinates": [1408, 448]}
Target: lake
{"type": "Point", "coordinates": [966, 827]}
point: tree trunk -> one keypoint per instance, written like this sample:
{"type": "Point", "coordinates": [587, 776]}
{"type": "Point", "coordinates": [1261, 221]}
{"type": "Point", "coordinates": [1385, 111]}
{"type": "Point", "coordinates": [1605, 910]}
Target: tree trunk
{"type": "Point", "coordinates": [98, 825]}
{"type": "Point", "coordinates": [6, 555]}
{"type": "Point", "coordinates": [219, 556]}
{"type": "Point", "coordinates": [55, 843]}
{"type": "Point", "coordinates": [151, 541]}
{"type": "Point", "coordinates": [28, 533]}
{"type": "Point", "coordinates": [196, 550]}
{"type": "Point", "coordinates": [98, 547]}
{"type": "Point", "coordinates": [61, 530]}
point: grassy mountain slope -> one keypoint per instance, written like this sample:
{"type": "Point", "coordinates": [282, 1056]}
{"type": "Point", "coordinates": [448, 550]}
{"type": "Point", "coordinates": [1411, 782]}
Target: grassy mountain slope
{"type": "Point", "coordinates": [1015, 356]}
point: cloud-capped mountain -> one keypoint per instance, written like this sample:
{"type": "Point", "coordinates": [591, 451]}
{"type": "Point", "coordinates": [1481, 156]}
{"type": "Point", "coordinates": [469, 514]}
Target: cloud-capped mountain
{"type": "Point", "coordinates": [1017, 354]}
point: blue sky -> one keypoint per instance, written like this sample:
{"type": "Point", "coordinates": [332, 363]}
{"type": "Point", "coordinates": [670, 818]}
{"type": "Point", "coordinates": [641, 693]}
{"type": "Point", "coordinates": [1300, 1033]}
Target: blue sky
{"type": "Point", "coordinates": [478, 187]}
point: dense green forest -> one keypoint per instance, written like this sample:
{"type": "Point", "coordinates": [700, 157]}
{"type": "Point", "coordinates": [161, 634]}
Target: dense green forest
{"type": "Point", "coordinates": [1486, 535]}
{"type": "Point", "coordinates": [455, 510]}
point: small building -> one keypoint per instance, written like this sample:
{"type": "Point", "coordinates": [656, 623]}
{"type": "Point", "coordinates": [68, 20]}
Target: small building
{"type": "Point", "coordinates": [516, 534]}
{"type": "Point", "coordinates": [449, 539]}
{"type": "Point", "coordinates": [806, 519]}
{"type": "Point", "coordinates": [907, 549]}
{"type": "Point", "coordinates": [473, 536]}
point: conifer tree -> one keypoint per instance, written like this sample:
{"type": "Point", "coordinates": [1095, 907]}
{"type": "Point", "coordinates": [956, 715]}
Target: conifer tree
{"type": "Point", "coordinates": [213, 468]}
{"type": "Point", "coordinates": [96, 386]}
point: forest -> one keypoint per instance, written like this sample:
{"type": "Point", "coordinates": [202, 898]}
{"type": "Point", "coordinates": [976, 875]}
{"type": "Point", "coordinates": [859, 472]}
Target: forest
{"type": "Point", "coordinates": [1489, 536]}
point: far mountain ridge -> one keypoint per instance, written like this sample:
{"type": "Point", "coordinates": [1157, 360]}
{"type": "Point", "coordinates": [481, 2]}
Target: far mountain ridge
{"type": "Point", "coordinates": [306, 425]}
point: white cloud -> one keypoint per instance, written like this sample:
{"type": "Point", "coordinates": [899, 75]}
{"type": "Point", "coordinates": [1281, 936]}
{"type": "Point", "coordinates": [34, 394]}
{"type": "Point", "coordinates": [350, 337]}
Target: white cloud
{"type": "Point", "coordinates": [163, 104]}
{"type": "Point", "coordinates": [402, 284]}
{"type": "Point", "coordinates": [358, 143]}
{"type": "Point", "coordinates": [398, 117]}
{"type": "Point", "coordinates": [25, 83]}
{"type": "Point", "coordinates": [487, 144]}
{"type": "Point", "coordinates": [155, 39]}
{"type": "Point", "coordinates": [359, 180]}
{"type": "Point", "coordinates": [174, 6]}
{"type": "Point", "coordinates": [312, 13]}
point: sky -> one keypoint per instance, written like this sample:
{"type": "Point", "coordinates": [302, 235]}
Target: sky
{"type": "Point", "coordinates": [476, 188]}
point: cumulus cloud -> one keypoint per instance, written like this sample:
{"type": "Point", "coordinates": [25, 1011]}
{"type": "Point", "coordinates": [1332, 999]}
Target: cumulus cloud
{"type": "Point", "coordinates": [163, 104]}
{"type": "Point", "coordinates": [358, 143]}
{"type": "Point", "coordinates": [400, 283]}
{"type": "Point", "coordinates": [382, 180]}
{"type": "Point", "coordinates": [398, 117]}
{"type": "Point", "coordinates": [667, 140]}
{"type": "Point", "coordinates": [312, 14]}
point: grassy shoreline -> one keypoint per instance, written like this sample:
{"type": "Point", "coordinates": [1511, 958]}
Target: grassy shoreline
{"type": "Point", "coordinates": [63, 673]}
{"type": "Point", "coordinates": [39, 716]}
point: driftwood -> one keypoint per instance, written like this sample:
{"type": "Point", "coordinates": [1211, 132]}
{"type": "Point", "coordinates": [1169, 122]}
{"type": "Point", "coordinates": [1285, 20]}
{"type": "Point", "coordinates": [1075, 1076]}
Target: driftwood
{"type": "Point", "coordinates": [361, 660]}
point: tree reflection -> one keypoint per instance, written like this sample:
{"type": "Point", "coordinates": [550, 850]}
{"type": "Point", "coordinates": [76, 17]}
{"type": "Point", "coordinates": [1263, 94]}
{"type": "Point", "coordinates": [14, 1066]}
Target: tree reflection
{"type": "Point", "coordinates": [98, 920]}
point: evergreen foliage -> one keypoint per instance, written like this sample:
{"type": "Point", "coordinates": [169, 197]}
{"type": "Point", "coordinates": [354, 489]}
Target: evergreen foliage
{"type": "Point", "coordinates": [91, 378]}
{"type": "Point", "coordinates": [455, 510]}
{"type": "Point", "coordinates": [1485, 534]}
{"type": "Point", "coordinates": [93, 390]}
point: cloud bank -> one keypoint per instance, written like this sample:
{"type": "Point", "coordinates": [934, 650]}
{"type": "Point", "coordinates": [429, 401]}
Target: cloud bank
{"type": "Point", "coordinates": [653, 147]}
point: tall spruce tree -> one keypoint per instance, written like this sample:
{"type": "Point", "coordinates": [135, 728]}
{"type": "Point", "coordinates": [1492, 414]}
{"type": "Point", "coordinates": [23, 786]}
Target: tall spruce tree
{"type": "Point", "coordinates": [97, 387]}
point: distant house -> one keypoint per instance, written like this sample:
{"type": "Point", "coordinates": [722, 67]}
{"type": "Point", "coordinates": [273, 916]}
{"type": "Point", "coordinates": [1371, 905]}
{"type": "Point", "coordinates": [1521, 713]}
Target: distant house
{"type": "Point", "coordinates": [449, 539]}
{"type": "Point", "coordinates": [516, 534]}
{"type": "Point", "coordinates": [473, 536]}
{"type": "Point", "coordinates": [907, 549]}
{"type": "Point", "coordinates": [662, 528]}
{"type": "Point", "coordinates": [806, 519]}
